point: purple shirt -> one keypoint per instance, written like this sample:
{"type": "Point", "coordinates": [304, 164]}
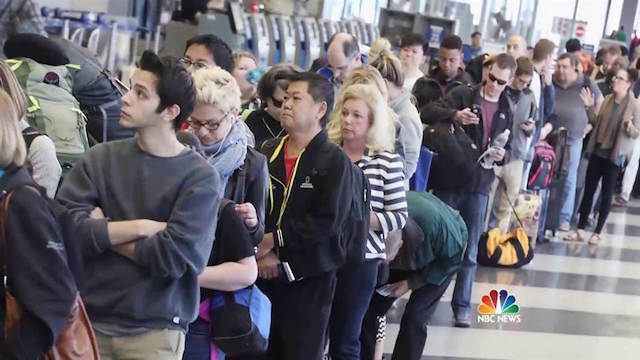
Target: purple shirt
{"type": "Point", "coordinates": [488, 112]}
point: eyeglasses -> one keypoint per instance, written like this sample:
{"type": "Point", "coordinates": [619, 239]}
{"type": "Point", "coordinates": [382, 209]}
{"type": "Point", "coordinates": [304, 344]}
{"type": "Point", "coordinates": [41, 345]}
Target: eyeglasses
{"type": "Point", "coordinates": [197, 65]}
{"type": "Point", "coordinates": [209, 125]}
{"type": "Point", "coordinates": [495, 79]}
{"type": "Point", "coordinates": [616, 77]}
{"type": "Point", "coordinates": [277, 103]}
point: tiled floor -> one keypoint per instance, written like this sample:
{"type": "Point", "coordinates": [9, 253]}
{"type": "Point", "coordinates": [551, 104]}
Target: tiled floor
{"type": "Point", "coordinates": [576, 302]}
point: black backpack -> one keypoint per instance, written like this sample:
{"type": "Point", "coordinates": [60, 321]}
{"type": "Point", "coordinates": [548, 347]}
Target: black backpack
{"type": "Point", "coordinates": [99, 95]}
{"type": "Point", "coordinates": [455, 155]}
{"type": "Point", "coordinates": [356, 230]}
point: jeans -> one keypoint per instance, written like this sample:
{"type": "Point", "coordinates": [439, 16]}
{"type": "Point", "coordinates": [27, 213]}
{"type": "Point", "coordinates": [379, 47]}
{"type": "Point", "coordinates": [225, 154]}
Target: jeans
{"type": "Point", "coordinates": [354, 289]}
{"type": "Point", "coordinates": [569, 191]}
{"type": "Point", "coordinates": [197, 344]}
{"type": "Point", "coordinates": [413, 326]}
{"type": "Point", "coordinates": [608, 171]}
{"type": "Point", "coordinates": [472, 208]}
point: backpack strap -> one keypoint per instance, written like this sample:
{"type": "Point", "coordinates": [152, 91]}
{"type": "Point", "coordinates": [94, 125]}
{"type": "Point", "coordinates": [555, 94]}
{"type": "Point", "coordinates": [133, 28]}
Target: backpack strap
{"type": "Point", "coordinates": [29, 134]}
{"type": "Point", "coordinates": [4, 217]}
{"type": "Point", "coordinates": [5, 9]}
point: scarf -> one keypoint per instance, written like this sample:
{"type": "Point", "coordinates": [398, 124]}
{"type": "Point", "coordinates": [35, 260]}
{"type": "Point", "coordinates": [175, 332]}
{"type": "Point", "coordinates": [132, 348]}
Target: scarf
{"type": "Point", "coordinates": [608, 122]}
{"type": "Point", "coordinates": [228, 154]}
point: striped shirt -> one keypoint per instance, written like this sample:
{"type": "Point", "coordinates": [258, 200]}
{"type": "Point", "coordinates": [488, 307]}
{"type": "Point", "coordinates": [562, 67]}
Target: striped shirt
{"type": "Point", "coordinates": [388, 202]}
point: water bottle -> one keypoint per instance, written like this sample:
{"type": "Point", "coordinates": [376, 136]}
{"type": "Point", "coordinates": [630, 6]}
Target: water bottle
{"type": "Point", "coordinates": [486, 159]}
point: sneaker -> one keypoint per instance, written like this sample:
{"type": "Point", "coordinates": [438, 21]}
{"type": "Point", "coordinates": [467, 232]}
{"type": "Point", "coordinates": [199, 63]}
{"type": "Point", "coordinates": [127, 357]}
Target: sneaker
{"type": "Point", "coordinates": [619, 201]}
{"type": "Point", "coordinates": [564, 227]}
{"type": "Point", "coordinates": [462, 320]}
{"type": "Point", "coordinates": [594, 240]}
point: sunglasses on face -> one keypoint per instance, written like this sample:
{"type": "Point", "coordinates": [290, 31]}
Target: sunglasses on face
{"type": "Point", "coordinates": [277, 103]}
{"type": "Point", "coordinates": [495, 79]}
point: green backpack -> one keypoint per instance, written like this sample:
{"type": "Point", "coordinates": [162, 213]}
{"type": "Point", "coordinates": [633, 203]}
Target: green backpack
{"type": "Point", "coordinates": [52, 109]}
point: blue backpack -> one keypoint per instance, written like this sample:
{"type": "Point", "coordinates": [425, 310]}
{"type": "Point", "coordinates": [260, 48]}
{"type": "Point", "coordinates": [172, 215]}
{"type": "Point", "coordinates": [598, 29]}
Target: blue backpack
{"type": "Point", "coordinates": [240, 320]}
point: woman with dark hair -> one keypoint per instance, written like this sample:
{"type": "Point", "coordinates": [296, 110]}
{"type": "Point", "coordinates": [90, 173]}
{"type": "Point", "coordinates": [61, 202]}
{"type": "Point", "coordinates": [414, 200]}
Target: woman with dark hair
{"type": "Point", "coordinates": [265, 122]}
{"type": "Point", "coordinates": [615, 129]}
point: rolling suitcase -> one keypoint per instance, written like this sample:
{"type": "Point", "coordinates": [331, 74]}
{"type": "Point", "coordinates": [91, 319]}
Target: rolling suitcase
{"type": "Point", "coordinates": [553, 196]}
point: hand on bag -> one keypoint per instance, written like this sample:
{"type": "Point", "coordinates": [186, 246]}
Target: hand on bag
{"type": "Point", "coordinates": [247, 212]}
{"type": "Point", "coordinates": [147, 228]}
{"type": "Point", "coordinates": [268, 266]}
{"type": "Point", "coordinates": [97, 213]}
{"type": "Point", "coordinates": [399, 288]}
{"type": "Point", "coordinates": [466, 117]}
{"type": "Point", "coordinates": [498, 154]}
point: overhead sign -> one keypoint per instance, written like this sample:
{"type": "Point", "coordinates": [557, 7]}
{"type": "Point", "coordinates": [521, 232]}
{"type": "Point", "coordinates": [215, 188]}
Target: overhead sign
{"type": "Point", "coordinates": [562, 27]}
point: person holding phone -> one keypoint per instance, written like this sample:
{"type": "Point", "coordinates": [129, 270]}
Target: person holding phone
{"type": "Point", "coordinates": [615, 128]}
{"type": "Point", "coordinates": [525, 114]}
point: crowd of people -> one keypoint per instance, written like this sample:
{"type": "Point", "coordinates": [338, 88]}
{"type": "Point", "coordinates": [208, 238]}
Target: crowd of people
{"type": "Point", "coordinates": [261, 193]}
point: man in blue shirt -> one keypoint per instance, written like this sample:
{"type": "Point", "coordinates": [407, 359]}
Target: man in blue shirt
{"type": "Point", "coordinates": [471, 51]}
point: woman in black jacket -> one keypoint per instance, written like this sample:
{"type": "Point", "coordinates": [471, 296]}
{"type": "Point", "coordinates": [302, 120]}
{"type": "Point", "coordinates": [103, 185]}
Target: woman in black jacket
{"type": "Point", "coordinates": [33, 253]}
{"type": "Point", "coordinates": [265, 122]}
{"type": "Point", "coordinates": [243, 170]}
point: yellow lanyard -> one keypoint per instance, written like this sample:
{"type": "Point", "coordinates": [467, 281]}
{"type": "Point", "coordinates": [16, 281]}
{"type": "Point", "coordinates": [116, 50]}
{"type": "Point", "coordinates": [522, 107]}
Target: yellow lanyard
{"type": "Point", "coordinates": [289, 187]}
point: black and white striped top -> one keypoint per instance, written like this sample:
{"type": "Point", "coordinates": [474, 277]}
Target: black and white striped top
{"type": "Point", "coordinates": [385, 172]}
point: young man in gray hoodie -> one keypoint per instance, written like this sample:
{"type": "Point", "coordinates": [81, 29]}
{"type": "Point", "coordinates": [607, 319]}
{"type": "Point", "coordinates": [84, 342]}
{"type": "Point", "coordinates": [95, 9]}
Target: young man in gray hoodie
{"type": "Point", "coordinates": [525, 115]}
{"type": "Point", "coordinates": [142, 295]}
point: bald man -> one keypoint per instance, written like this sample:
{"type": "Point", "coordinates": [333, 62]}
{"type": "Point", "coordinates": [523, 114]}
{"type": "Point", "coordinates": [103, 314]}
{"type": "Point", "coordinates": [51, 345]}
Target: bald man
{"type": "Point", "coordinates": [343, 55]}
{"type": "Point", "coordinates": [516, 46]}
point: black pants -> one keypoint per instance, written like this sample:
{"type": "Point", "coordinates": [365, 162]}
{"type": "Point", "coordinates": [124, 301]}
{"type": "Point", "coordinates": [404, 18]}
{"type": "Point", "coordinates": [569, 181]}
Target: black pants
{"type": "Point", "coordinates": [299, 316]}
{"type": "Point", "coordinates": [413, 326]}
{"type": "Point", "coordinates": [607, 170]}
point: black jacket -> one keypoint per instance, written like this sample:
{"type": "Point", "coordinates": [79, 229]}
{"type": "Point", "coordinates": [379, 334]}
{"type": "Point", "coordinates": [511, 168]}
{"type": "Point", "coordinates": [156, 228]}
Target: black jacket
{"type": "Point", "coordinates": [38, 273]}
{"type": "Point", "coordinates": [250, 183]}
{"type": "Point", "coordinates": [431, 88]}
{"type": "Point", "coordinates": [462, 97]}
{"type": "Point", "coordinates": [264, 127]}
{"type": "Point", "coordinates": [307, 239]}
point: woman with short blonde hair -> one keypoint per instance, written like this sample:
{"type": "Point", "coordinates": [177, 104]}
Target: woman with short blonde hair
{"type": "Point", "coordinates": [362, 125]}
{"type": "Point", "coordinates": [381, 133]}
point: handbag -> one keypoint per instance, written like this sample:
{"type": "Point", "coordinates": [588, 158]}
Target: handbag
{"type": "Point", "coordinates": [77, 339]}
{"type": "Point", "coordinates": [240, 321]}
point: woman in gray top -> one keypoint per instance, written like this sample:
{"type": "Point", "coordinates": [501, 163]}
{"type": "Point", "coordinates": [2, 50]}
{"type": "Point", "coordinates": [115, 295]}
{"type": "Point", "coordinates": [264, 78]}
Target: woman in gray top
{"type": "Point", "coordinates": [615, 129]}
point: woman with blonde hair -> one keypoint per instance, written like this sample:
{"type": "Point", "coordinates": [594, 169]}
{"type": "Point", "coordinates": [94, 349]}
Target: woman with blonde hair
{"type": "Point", "coordinates": [377, 47]}
{"type": "Point", "coordinates": [34, 255]}
{"type": "Point", "coordinates": [41, 159]}
{"type": "Point", "coordinates": [361, 124]}
{"type": "Point", "coordinates": [401, 102]}
{"type": "Point", "coordinates": [369, 75]}
{"type": "Point", "coordinates": [243, 173]}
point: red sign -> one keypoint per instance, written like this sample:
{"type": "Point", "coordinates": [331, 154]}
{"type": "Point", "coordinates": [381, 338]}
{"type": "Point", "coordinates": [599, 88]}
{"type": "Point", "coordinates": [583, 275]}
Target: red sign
{"type": "Point", "coordinates": [580, 31]}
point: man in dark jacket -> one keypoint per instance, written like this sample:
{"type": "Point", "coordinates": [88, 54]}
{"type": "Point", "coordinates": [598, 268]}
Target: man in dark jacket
{"type": "Point", "coordinates": [302, 250]}
{"type": "Point", "coordinates": [447, 75]}
{"type": "Point", "coordinates": [434, 242]}
{"type": "Point", "coordinates": [491, 117]}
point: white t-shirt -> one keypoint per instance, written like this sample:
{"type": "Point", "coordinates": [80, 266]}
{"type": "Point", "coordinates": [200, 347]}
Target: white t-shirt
{"type": "Point", "coordinates": [536, 86]}
{"type": "Point", "coordinates": [410, 81]}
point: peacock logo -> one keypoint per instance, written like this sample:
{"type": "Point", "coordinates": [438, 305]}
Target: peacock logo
{"type": "Point", "coordinates": [498, 306]}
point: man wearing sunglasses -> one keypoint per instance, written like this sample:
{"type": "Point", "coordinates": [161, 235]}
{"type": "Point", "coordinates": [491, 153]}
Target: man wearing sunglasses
{"type": "Point", "coordinates": [483, 112]}
{"type": "Point", "coordinates": [525, 114]}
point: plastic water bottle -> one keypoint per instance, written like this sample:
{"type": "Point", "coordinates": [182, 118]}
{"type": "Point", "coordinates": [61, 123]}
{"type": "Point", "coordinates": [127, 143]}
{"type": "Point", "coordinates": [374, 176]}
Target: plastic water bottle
{"type": "Point", "coordinates": [486, 159]}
